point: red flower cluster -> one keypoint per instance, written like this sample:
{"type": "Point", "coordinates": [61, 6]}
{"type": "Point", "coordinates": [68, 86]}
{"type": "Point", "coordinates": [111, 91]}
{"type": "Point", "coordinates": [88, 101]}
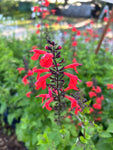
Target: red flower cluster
{"type": "Point", "coordinates": [48, 62]}
{"type": "Point", "coordinates": [95, 92]}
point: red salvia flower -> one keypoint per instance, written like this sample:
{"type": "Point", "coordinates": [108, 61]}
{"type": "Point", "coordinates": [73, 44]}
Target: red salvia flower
{"type": "Point", "coordinates": [89, 83]}
{"type": "Point", "coordinates": [24, 80]}
{"type": "Point", "coordinates": [46, 61]}
{"type": "Point", "coordinates": [109, 86]}
{"type": "Point", "coordinates": [37, 31]}
{"type": "Point", "coordinates": [91, 110]}
{"type": "Point", "coordinates": [37, 53]}
{"type": "Point", "coordinates": [105, 19]}
{"type": "Point", "coordinates": [41, 82]}
{"type": "Point", "coordinates": [77, 109]}
{"type": "Point", "coordinates": [98, 100]}
{"type": "Point", "coordinates": [97, 106]}
{"type": "Point", "coordinates": [73, 66]}
{"type": "Point", "coordinates": [97, 89]}
{"type": "Point", "coordinates": [38, 25]}
{"type": "Point", "coordinates": [73, 101]}
{"type": "Point", "coordinates": [74, 29]}
{"type": "Point", "coordinates": [78, 33]}
{"type": "Point", "coordinates": [39, 71]}
{"type": "Point", "coordinates": [74, 43]}
{"type": "Point", "coordinates": [92, 94]}
{"type": "Point", "coordinates": [47, 104]}
{"type": "Point", "coordinates": [30, 73]}
{"type": "Point", "coordinates": [73, 81]}
{"type": "Point", "coordinates": [20, 69]}
{"type": "Point", "coordinates": [28, 94]}
{"type": "Point", "coordinates": [53, 11]}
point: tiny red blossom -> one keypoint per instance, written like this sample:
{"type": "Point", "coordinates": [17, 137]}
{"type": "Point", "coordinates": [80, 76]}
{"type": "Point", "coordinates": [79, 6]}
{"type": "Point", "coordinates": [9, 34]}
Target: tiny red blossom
{"type": "Point", "coordinates": [74, 29]}
{"type": "Point", "coordinates": [89, 83]}
{"type": "Point", "coordinates": [73, 66]}
{"type": "Point", "coordinates": [20, 69]}
{"type": "Point", "coordinates": [28, 94]}
{"type": "Point", "coordinates": [47, 104]}
{"type": "Point", "coordinates": [24, 80]}
{"type": "Point", "coordinates": [97, 106]}
{"type": "Point", "coordinates": [74, 43]}
{"type": "Point", "coordinates": [73, 101]}
{"type": "Point", "coordinates": [92, 94]}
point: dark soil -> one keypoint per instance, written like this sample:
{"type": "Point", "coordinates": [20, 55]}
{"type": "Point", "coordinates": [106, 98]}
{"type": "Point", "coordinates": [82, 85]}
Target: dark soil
{"type": "Point", "coordinates": [9, 142]}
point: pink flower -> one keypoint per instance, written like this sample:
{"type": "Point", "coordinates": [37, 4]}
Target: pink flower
{"type": "Point", "coordinates": [20, 69]}
{"type": "Point", "coordinates": [24, 80]}
{"type": "Point", "coordinates": [73, 101]}
{"type": "Point", "coordinates": [73, 81]}
{"type": "Point", "coordinates": [92, 94]}
{"type": "Point", "coordinates": [41, 82]}
{"type": "Point", "coordinates": [73, 66]}
{"type": "Point", "coordinates": [47, 104]}
{"type": "Point", "coordinates": [37, 53]}
{"type": "Point", "coordinates": [38, 31]}
{"type": "Point", "coordinates": [89, 83]}
{"type": "Point", "coordinates": [98, 100]}
{"type": "Point", "coordinates": [46, 61]}
{"type": "Point", "coordinates": [28, 94]}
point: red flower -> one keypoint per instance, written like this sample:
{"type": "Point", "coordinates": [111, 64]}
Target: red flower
{"type": "Point", "coordinates": [92, 94]}
{"type": "Point", "coordinates": [37, 53]}
{"type": "Point", "coordinates": [47, 104]}
{"type": "Point", "coordinates": [98, 100]}
{"type": "Point", "coordinates": [91, 110]}
{"type": "Point", "coordinates": [20, 69]}
{"type": "Point", "coordinates": [89, 83]}
{"type": "Point", "coordinates": [73, 66]}
{"type": "Point", "coordinates": [30, 73]}
{"type": "Point", "coordinates": [46, 61]}
{"type": "Point", "coordinates": [73, 101]}
{"type": "Point", "coordinates": [97, 89]}
{"type": "Point", "coordinates": [46, 25]}
{"type": "Point", "coordinates": [53, 11]}
{"type": "Point", "coordinates": [38, 25]}
{"type": "Point", "coordinates": [74, 43]}
{"type": "Point", "coordinates": [34, 47]}
{"type": "Point", "coordinates": [109, 86]}
{"type": "Point", "coordinates": [74, 60]}
{"type": "Point", "coordinates": [59, 18]}
{"type": "Point", "coordinates": [97, 106]}
{"type": "Point", "coordinates": [105, 19]}
{"type": "Point", "coordinates": [38, 31]}
{"type": "Point", "coordinates": [41, 82]}
{"type": "Point", "coordinates": [73, 81]}
{"type": "Point", "coordinates": [74, 29]}
{"type": "Point", "coordinates": [44, 96]}
{"type": "Point", "coordinates": [98, 119]}
{"type": "Point", "coordinates": [46, 3]}
{"type": "Point", "coordinates": [24, 80]}
{"type": "Point", "coordinates": [78, 33]}
{"type": "Point", "coordinates": [77, 109]}
{"type": "Point", "coordinates": [39, 71]}
{"type": "Point", "coordinates": [28, 94]}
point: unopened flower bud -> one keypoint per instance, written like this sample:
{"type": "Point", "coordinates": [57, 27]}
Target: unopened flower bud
{"type": "Point", "coordinates": [48, 48]}
{"type": "Point", "coordinates": [59, 47]}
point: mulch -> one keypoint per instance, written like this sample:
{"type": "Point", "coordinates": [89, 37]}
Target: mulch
{"type": "Point", "coordinates": [9, 142]}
